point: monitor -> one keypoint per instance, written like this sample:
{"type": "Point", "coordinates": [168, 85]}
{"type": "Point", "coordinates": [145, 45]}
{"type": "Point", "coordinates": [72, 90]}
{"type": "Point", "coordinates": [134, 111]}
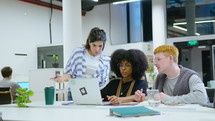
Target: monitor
{"type": "Point", "coordinates": [24, 84]}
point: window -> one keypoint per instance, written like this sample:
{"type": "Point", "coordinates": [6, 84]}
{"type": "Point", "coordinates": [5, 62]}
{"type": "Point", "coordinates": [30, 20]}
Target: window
{"type": "Point", "coordinates": [190, 17]}
{"type": "Point", "coordinates": [131, 22]}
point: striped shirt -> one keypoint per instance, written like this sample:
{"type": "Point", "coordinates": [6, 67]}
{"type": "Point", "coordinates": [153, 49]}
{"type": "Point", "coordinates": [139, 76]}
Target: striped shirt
{"type": "Point", "coordinates": [76, 66]}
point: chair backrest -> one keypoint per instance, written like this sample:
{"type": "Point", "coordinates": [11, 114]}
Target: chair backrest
{"type": "Point", "coordinates": [211, 93]}
{"type": "Point", "coordinates": [5, 95]}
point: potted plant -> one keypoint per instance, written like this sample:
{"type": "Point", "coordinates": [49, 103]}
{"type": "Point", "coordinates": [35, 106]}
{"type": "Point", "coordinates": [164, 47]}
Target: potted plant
{"type": "Point", "coordinates": [23, 97]}
{"type": "Point", "coordinates": [55, 58]}
{"type": "Point", "coordinates": [151, 75]}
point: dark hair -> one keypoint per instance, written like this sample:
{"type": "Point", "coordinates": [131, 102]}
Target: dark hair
{"type": "Point", "coordinates": [6, 71]}
{"type": "Point", "coordinates": [137, 59]}
{"type": "Point", "coordinates": [96, 34]}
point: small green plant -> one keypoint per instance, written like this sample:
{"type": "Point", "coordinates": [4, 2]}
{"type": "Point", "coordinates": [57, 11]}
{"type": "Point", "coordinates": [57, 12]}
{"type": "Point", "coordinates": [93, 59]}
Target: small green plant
{"type": "Point", "coordinates": [152, 75]}
{"type": "Point", "coordinates": [55, 57]}
{"type": "Point", "coordinates": [23, 97]}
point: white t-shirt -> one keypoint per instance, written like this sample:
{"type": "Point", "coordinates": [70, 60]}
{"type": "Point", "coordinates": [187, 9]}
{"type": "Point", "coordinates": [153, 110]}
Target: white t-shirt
{"type": "Point", "coordinates": [92, 64]}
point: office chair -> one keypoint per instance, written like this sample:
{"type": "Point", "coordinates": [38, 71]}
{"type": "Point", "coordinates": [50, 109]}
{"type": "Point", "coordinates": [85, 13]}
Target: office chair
{"type": "Point", "coordinates": [5, 95]}
{"type": "Point", "coordinates": [1, 116]}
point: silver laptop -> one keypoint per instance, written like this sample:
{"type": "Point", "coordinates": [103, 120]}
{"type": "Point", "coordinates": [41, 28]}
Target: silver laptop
{"type": "Point", "coordinates": [85, 91]}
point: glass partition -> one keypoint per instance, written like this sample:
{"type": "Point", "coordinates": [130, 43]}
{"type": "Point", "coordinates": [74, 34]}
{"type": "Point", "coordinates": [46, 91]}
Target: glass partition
{"type": "Point", "coordinates": [131, 22]}
{"type": "Point", "coordinates": [190, 17]}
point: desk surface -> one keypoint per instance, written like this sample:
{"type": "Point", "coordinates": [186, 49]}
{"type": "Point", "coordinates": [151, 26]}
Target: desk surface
{"type": "Point", "coordinates": [58, 112]}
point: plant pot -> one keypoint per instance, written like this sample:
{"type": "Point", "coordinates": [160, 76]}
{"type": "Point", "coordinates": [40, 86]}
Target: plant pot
{"type": "Point", "coordinates": [55, 65]}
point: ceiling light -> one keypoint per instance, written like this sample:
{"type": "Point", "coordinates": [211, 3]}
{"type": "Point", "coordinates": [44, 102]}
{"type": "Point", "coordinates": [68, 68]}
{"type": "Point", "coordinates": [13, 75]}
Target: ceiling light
{"type": "Point", "coordinates": [183, 29]}
{"type": "Point", "coordinates": [125, 1]}
{"type": "Point", "coordinates": [201, 46]}
{"type": "Point", "coordinates": [198, 22]}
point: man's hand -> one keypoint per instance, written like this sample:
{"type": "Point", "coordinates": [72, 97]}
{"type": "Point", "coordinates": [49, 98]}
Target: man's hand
{"type": "Point", "coordinates": [162, 95]}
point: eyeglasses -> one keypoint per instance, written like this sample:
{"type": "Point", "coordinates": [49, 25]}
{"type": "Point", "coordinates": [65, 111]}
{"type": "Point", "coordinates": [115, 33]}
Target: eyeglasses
{"type": "Point", "coordinates": [157, 59]}
{"type": "Point", "coordinates": [124, 65]}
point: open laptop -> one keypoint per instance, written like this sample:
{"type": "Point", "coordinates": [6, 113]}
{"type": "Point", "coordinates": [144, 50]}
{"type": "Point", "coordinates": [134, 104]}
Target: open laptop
{"type": "Point", "coordinates": [86, 91]}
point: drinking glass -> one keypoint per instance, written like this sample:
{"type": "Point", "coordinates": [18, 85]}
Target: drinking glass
{"type": "Point", "coordinates": [153, 97]}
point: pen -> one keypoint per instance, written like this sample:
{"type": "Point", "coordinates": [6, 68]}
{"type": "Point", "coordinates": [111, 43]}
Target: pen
{"type": "Point", "coordinates": [141, 89]}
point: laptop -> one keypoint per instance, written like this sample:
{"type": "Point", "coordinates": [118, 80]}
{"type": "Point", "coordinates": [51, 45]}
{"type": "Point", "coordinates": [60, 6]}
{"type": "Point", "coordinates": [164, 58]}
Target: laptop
{"type": "Point", "coordinates": [85, 91]}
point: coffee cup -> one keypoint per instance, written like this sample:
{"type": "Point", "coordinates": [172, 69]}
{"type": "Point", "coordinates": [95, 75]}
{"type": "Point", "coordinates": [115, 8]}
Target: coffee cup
{"type": "Point", "coordinates": [49, 95]}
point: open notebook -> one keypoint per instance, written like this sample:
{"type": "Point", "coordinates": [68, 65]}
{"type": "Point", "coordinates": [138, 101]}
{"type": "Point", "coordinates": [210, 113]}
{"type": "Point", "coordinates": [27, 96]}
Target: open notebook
{"type": "Point", "coordinates": [86, 91]}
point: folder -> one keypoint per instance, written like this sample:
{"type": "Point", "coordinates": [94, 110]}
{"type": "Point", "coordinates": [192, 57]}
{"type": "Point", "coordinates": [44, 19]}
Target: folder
{"type": "Point", "coordinates": [132, 111]}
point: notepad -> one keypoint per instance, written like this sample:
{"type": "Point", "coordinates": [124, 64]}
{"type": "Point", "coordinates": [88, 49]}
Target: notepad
{"type": "Point", "coordinates": [133, 111]}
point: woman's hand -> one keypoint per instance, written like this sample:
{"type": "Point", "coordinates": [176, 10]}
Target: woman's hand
{"type": "Point", "coordinates": [114, 99]}
{"type": "Point", "coordinates": [60, 79]}
{"type": "Point", "coordinates": [139, 96]}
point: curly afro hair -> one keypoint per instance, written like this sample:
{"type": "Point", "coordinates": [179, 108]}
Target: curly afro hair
{"type": "Point", "coordinates": [137, 59]}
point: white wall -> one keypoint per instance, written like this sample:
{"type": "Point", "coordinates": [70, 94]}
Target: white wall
{"type": "Point", "coordinates": [100, 17]}
{"type": "Point", "coordinates": [196, 57]}
{"type": "Point", "coordinates": [23, 27]}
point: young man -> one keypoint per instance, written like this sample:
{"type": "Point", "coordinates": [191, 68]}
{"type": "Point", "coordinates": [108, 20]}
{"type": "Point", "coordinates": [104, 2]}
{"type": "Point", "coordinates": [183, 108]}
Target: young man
{"type": "Point", "coordinates": [177, 84]}
{"type": "Point", "coordinates": [6, 82]}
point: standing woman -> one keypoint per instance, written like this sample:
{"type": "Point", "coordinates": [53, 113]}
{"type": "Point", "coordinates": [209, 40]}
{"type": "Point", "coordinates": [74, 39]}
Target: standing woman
{"type": "Point", "coordinates": [129, 66]}
{"type": "Point", "coordinates": [88, 61]}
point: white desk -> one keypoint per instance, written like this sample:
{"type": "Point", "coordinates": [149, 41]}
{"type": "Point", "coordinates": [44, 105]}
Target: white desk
{"type": "Point", "coordinates": [58, 112]}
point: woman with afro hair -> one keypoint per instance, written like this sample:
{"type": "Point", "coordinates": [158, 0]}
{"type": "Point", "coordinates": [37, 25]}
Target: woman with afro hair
{"type": "Point", "coordinates": [129, 66]}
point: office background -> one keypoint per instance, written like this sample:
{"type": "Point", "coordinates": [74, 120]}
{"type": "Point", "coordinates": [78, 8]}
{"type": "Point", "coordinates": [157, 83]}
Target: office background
{"type": "Point", "coordinates": [24, 27]}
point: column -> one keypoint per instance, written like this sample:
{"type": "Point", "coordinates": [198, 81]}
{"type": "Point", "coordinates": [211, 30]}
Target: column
{"type": "Point", "coordinates": [159, 22]}
{"type": "Point", "coordinates": [72, 27]}
{"type": "Point", "coordinates": [190, 17]}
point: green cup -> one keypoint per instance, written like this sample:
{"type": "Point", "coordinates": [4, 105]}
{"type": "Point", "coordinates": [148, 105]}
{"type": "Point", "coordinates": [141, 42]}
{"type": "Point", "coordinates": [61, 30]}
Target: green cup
{"type": "Point", "coordinates": [49, 95]}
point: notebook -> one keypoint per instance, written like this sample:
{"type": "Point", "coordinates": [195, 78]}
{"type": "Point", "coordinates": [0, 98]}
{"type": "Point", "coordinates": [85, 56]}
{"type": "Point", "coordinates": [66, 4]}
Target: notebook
{"type": "Point", "coordinates": [85, 91]}
{"type": "Point", "coordinates": [132, 111]}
